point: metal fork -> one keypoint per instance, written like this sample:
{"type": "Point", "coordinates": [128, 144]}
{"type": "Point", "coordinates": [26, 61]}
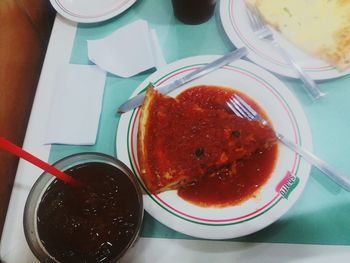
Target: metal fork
{"type": "Point", "coordinates": [244, 110]}
{"type": "Point", "coordinates": [264, 32]}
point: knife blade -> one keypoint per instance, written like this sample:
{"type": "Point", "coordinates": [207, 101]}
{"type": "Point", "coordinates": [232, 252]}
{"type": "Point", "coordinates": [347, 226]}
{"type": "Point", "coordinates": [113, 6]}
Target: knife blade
{"type": "Point", "coordinates": [136, 101]}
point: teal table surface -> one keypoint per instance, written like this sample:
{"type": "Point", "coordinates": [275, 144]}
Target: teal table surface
{"type": "Point", "coordinates": [321, 215]}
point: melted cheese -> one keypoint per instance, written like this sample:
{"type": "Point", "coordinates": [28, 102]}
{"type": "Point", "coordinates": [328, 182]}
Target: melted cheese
{"type": "Point", "coordinates": [319, 27]}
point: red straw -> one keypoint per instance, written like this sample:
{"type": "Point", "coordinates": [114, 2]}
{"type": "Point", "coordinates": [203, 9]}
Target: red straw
{"type": "Point", "coordinates": [14, 149]}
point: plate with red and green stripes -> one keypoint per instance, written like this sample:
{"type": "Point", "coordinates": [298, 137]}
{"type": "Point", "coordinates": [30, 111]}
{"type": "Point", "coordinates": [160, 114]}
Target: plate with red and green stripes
{"type": "Point", "coordinates": [275, 197]}
{"type": "Point", "coordinates": [91, 11]}
{"type": "Point", "coordinates": [237, 27]}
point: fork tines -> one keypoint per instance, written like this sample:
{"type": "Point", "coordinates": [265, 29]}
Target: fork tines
{"type": "Point", "coordinates": [240, 107]}
{"type": "Point", "coordinates": [255, 18]}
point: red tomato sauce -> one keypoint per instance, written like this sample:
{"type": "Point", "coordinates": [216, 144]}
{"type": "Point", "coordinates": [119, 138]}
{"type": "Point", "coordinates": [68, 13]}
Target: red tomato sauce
{"type": "Point", "coordinates": [224, 188]}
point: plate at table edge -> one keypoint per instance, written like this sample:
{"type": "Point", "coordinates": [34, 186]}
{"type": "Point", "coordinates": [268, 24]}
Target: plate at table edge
{"type": "Point", "coordinates": [237, 27]}
{"type": "Point", "coordinates": [278, 194]}
{"type": "Point", "coordinates": [73, 15]}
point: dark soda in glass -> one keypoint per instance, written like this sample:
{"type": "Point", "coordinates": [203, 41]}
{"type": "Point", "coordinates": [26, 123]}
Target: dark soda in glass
{"type": "Point", "coordinates": [193, 11]}
{"type": "Point", "coordinates": [94, 223]}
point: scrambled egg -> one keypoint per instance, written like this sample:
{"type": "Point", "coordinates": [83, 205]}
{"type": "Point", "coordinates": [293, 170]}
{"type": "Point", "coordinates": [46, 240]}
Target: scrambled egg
{"type": "Point", "coordinates": [319, 27]}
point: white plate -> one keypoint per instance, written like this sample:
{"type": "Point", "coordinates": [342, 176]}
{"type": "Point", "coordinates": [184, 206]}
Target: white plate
{"type": "Point", "coordinates": [237, 27]}
{"type": "Point", "coordinates": [90, 11]}
{"type": "Point", "coordinates": [287, 117]}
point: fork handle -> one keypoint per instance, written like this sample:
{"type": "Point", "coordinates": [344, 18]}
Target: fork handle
{"type": "Point", "coordinates": [341, 179]}
{"type": "Point", "coordinates": [309, 84]}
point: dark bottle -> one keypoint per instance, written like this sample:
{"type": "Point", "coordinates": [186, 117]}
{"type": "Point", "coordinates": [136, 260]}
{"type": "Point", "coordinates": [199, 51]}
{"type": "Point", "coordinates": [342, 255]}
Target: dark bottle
{"type": "Point", "coordinates": [193, 11]}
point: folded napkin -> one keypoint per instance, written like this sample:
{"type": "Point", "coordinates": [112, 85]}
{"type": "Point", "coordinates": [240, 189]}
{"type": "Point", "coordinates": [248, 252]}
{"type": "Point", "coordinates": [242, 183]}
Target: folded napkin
{"type": "Point", "coordinates": [76, 107]}
{"type": "Point", "coordinates": [128, 51]}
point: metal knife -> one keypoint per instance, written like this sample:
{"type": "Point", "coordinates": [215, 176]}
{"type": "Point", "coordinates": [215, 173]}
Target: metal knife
{"type": "Point", "coordinates": [136, 101]}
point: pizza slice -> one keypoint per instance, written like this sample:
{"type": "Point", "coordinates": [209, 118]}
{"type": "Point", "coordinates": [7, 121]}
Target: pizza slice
{"type": "Point", "coordinates": [180, 142]}
{"type": "Point", "coordinates": [319, 27]}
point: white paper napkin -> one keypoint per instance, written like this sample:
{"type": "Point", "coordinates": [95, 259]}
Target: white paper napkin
{"type": "Point", "coordinates": [76, 108]}
{"type": "Point", "coordinates": [128, 51]}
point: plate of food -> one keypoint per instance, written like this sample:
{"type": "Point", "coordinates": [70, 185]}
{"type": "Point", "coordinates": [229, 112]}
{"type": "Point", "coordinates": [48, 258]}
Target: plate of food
{"type": "Point", "coordinates": [90, 11]}
{"type": "Point", "coordinates": [314, 33]}
{"type": "Point", "coordinates": [204, 171]}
